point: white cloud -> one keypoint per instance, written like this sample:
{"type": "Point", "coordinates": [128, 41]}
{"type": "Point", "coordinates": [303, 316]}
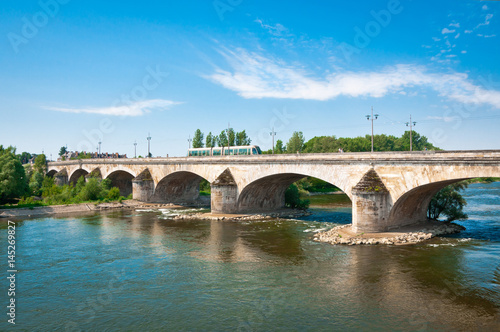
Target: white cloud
{"type": "Point", "coordinates": [463, 52]}
{"type": "Point", "coordinates": [255, 76]}
{"type": "Point", "coordinates": [133, 109]}
{"type": "Point", "coordinates": [489, 36]}
{"type": "Point", "coordinates": [456, 25]}
{"type": "Point", "coordinates": [468, 31]}
{"type": "Point", "coordinates": [277, 30]}
{"type": "Point", "coordinates": [442, 118]}
{"type": "Point", "coordinates": [458, 35]}
{"type": "Point", "coordinates": [446, 30]}
{"type": "Point", "coordinates": [436, 39]}
{"type": "Point", "coordinates": [485, 7]}
{"type": "Point", "coordinates": [486, 20]}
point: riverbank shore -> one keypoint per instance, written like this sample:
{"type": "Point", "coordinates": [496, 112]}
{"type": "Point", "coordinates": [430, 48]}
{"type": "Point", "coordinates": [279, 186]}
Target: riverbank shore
{"type": "Point", "coordinates": [405, 235]}
{"type": "Point", "coordinates": [78, 208]}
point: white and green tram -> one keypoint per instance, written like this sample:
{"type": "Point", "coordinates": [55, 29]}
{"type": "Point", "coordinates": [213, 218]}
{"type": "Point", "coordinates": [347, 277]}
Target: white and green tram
{"type": "Point", "coordinates": [225, 151]}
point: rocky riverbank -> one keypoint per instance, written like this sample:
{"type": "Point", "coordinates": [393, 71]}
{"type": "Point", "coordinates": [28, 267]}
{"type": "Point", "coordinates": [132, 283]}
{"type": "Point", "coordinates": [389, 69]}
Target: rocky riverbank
{"type": "Point", "coordinates": [80, 208]}
{"type": "Point", "coordinates": [285, 214]}
{"type": "Point", "coordinates": [408, 235]}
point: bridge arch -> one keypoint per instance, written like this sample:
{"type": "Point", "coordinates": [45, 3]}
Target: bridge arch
{"type": "Point", "coordinates": [178, 187]}
{"type": "Point", "coordinates": [268, 193]}
{"type": "Point", "coordinates": [51, 173]}
{"type": "Point", "coordinates": [73, 178]}
{"type": "Point", "coordinates": [122, 180]}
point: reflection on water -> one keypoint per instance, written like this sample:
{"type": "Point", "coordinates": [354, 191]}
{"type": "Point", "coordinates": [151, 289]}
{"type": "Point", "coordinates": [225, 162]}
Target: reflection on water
{"type": "Point", "coordinates": [142, 270]}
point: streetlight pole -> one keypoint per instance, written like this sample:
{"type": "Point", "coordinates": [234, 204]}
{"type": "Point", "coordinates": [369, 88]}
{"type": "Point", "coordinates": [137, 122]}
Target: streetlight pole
{"type": "Point", "coordinates": [149, 140]}
{"type": "Point", "coordinates": [228, 126]}
{"type": "Point", "coordinates": [99, 156]}
{"type": "Point", "coordinates": [372, 117]}
{"type": "Point", "coordinates": [189, 141]}
{"type": "Point", "coordinates": [272, 133]}
{"type": "Point", "coordinates": [411, 125]}
{"type": "Point", "coordinates": [135, 149]}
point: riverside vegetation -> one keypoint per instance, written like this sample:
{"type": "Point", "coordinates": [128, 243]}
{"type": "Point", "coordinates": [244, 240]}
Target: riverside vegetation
{"type": "Point", "coordinates": [29, 186]}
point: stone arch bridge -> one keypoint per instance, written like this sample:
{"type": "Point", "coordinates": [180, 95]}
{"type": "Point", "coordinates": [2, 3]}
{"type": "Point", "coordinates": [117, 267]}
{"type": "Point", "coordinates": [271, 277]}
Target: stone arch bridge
{"type": "Point", "coordinates": [387, 189]}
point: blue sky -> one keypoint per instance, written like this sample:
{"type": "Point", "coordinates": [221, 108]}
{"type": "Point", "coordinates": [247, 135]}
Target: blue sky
{"type": "Point", "coordinates": [76, 72]}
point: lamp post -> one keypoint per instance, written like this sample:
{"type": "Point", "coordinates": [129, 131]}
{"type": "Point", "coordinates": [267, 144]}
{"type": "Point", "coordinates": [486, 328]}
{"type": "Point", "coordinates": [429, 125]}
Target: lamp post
{"type": "Point", "coordinates": [135, 149]}
{"type": "Point", "coordinates": [228, 126]}
{"type": "Point", "coordinates": [372, 117]}
{"type": "Point", "coordinates": [411, 125]}
{"type": "Point", "coordinates": [149, 140]}
{"type": "Point", "coordinates": [273, 133]}
{"type": "Point", "coordinates": [189, 142]}
{"type": "Point", "coordinates": [99, 155]}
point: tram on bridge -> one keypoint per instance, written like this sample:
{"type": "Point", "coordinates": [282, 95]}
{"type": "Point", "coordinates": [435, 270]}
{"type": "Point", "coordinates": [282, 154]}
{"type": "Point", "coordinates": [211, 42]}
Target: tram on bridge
{"type": "Point", "coordinates": [225, 151]}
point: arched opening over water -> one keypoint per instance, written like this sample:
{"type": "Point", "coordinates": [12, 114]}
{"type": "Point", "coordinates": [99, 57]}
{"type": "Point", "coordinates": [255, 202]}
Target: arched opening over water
{"type": "Point", "coordinates": [268, 193]}
{"type": "Point", "coordinates": [178, 187]}
{"type": "Point", "coordinates": [412, 206]}
{"type": "Point", "coordinates": [76, 175]}
{"type": "Point", "coordinates": [123, 181]}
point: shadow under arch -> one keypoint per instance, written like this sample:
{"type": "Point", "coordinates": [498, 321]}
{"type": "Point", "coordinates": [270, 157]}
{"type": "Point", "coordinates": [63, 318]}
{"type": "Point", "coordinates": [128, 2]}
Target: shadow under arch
{"type": "Point", "coordinates": [77, 175]}
{"type": "Point", "coordinates": [412, 206]}
{"type": "Point", "coordinates": [178, 187]}
{"type": "Point", "coordinates": [268, 193]}
{"type": "Point", "coordinates": [122, 180]}
{"type": "Point", "coordinates": [51, 173]}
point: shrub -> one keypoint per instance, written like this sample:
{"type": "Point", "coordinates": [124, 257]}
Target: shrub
{"type": "Point", "coordinates": [113, 194]}
{"type": "Point", "coordinates": [292, 198]}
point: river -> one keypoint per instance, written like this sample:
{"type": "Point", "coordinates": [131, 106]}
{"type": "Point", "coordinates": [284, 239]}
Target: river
{"type": "Point", "coordinates": [143, 271]}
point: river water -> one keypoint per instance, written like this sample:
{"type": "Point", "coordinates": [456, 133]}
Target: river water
{"type": "Point", "coordinates": [141, 270]}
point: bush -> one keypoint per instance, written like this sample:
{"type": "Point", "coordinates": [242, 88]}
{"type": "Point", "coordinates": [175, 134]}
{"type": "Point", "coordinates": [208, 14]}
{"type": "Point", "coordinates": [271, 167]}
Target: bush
{"type": "Point", "coordinates": [292, 198]}
{"type": "Point", "coordinates": [91, 191]}
{"type": "Point", "coordinates": [113, 194]}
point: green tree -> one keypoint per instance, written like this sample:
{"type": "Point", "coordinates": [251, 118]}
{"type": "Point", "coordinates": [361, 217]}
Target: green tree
{"type": "Point", "coordinates": [296, 142]}
{"type": "Point", "coordinates": [211, 140]}
{"type": "Point", "coordinates": [231, 136]}
{"type": "Point", "coordinates": [279, 148]}
{"type": "Point", "coordinates": [12, 175]}
{"type": "Point", "coordinates": [35, 183]}
{"type": "Point", "coordinates": [62, 151]}
{"type": "Point", "coordinates": [222, 139]}
{"type": "Point", "coordinates": [198, 139]}
{"type": "Point", "coordinates": [40, 164]}
{"type": "Point", "coordinates": [292, 198]}
{"type": "Point", "coordinates": [24, 157]}
{"type": "Point", "coordinates": [242, 138]}
{"type": "Point", "coordinates": [449, 202]}
{"type": "Point", "coordinates": [84, 155]}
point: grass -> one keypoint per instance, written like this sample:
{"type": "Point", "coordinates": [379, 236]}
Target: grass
{"type": "Point", "coordinates": [41, 203]}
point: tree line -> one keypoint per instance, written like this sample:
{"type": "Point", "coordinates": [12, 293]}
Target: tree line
{"type": "Point", "coordinates": [225, 138]}
{"type": "Point", "coordinates": [30, 185]}
{"type": "Point", "coordinates": [326, 144]}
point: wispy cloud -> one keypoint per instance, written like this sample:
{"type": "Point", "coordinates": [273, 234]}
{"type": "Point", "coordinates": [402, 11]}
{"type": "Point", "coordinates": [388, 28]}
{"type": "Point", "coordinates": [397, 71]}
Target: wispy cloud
{"type": "Point", "coordinates": [254, 75]}
{"type": "Point", "coordinates": [137, 108]}
{"type": "Point", "coordinates": [446, 31]}
{"type": "Point", "coordinates": [487, 20]}
{"type": "Point", "coordinates": [276, 30]}
{"type": "Point", "coordinates": [442, 118]}
{"type": "Point", "coordinates": [456, 25]}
